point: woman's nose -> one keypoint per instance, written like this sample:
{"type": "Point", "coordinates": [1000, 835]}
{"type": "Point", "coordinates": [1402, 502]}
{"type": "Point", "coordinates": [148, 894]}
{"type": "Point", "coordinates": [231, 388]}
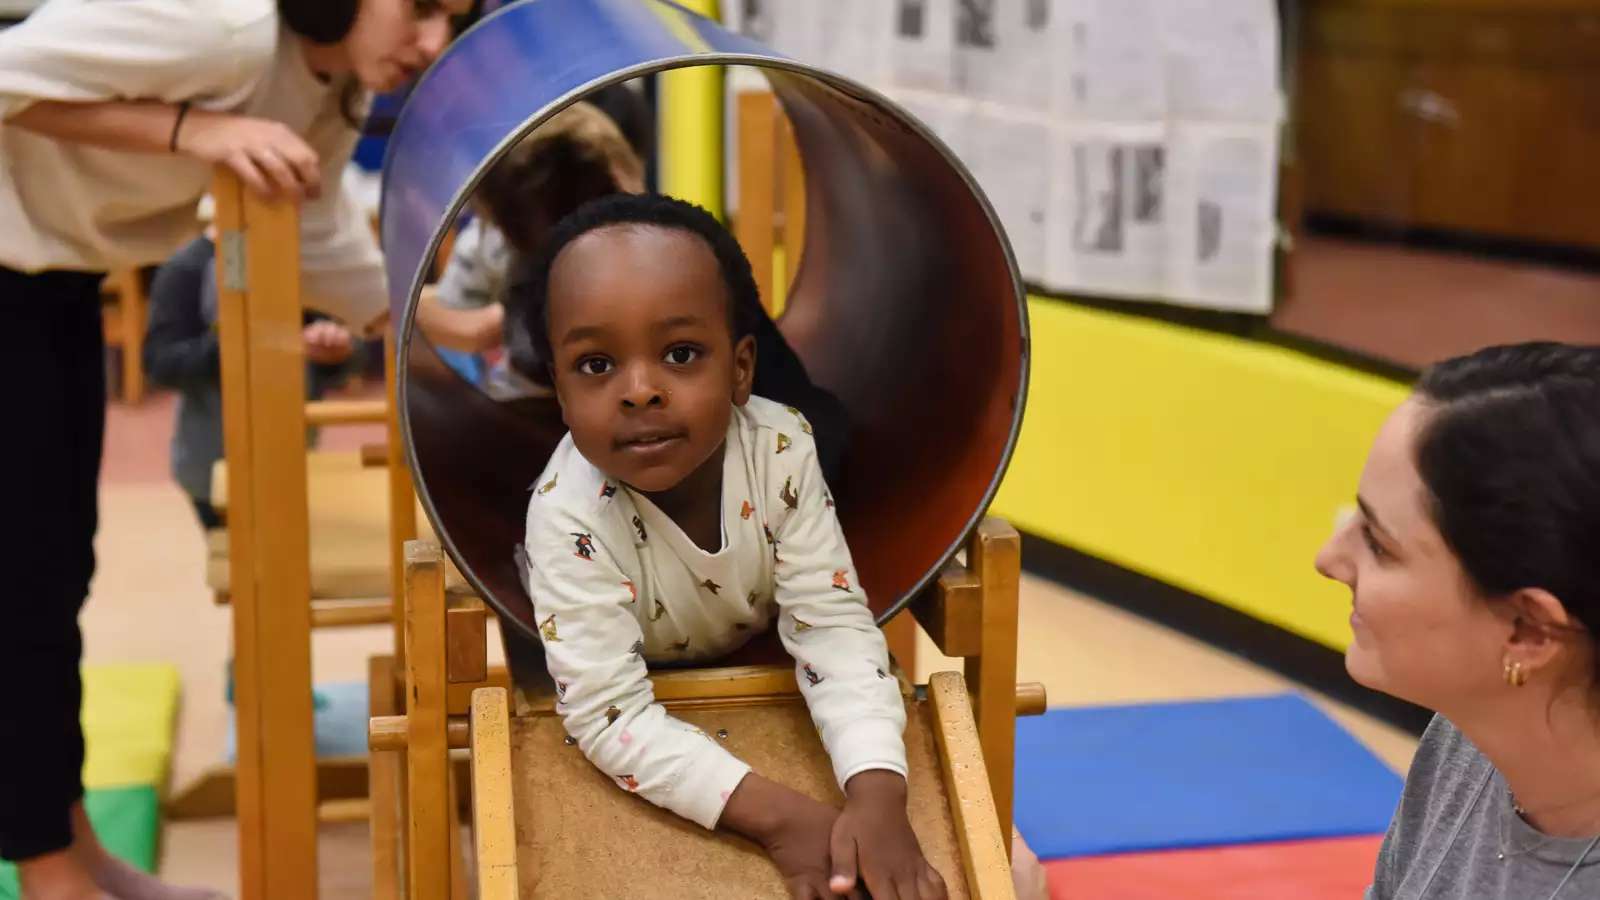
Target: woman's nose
{"type": "Point", "coordinates": [1333, 560]}
{"type": "Point", "coordinates": [433, 35]}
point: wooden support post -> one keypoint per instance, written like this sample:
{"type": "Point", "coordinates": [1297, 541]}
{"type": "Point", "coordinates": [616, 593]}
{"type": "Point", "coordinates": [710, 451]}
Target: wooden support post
{"type": "Point", "coordinates": [431, 819]}
{"type": "Point", "coordinates": [793, 175]}
{"type": "Point", "coordinates": [758, 199]}
{"type": "Point", "coordinates": [384, 785]}
{"type": "Point", "coordinates": [995, 555]}
{"type": "Point", "coordinates": [402, 498]}
{"type": "Point", "coordinates": [264, 428]}
{"type": "Point", "coordinates": [133, 312]}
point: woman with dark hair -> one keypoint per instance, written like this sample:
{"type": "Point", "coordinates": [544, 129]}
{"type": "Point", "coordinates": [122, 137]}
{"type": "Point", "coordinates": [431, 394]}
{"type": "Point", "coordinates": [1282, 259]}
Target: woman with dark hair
{"type": "Point", "coordinates": [1475, 576]}
{"type": "Point", "coordinates": [112, 118]}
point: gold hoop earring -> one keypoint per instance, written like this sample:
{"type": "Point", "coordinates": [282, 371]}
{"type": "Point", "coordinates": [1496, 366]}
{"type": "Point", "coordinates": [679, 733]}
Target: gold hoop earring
{"type": "Point", "coordinates": [1514, 674]}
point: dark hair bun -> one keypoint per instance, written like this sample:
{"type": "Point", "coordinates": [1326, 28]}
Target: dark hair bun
{"type": "Point", "coordinates": [319, 21]}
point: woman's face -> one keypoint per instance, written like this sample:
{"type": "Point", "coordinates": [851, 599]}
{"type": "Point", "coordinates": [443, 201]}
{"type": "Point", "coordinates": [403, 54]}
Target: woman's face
{"type": "Point", "coordinates": [392, 41]}
{"type": "Point", "coordinates": [1422, 633]}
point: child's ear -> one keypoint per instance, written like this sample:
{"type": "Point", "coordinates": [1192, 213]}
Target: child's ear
{"type": "Point", "coordinates": [744, 369]}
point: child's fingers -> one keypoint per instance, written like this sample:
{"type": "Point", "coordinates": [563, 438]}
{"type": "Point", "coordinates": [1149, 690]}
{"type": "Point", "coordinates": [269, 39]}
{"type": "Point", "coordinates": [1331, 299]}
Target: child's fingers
{"type": "Point", "coordinates": [842, 849]}
{"type": "Point", "coordinates": [931, 884]}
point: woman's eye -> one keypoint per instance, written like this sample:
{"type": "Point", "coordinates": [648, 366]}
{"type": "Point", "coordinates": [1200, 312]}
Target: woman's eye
{"type": "Point", "coordinates": [594, 365]}
{"type": "Point", "coordinates": [1372, 542]}
{"type": "Point", "coordinates": [682, 356]}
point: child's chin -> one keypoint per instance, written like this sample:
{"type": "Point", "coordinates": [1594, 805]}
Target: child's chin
{"type": "Point", "coordinates": [653, 480]}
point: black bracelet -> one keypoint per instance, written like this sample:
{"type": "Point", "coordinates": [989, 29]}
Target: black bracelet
{"type": "Point", "coordinates": [183, 110]}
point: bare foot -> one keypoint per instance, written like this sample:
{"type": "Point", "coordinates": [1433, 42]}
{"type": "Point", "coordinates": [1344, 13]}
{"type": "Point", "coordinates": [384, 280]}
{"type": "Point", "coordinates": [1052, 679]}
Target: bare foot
{"type": "Point", "coordinates": [128, 883]}
{"type": "Point", "coordinates": [117, 879]}
{"type": "Point", "coordinates": [57, 876]}
{"type": "Point", "coordinates": [1027, 874]}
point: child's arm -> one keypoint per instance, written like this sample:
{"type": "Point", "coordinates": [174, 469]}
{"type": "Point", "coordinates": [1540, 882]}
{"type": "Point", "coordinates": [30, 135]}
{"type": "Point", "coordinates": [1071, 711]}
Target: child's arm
{"type": "Point", "coordinates": [843, 668]}
{"type": "Point", "coordinates": [592, 641]}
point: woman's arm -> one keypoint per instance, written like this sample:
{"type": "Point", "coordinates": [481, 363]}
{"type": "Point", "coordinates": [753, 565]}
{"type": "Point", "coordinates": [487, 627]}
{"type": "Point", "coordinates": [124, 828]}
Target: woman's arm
{"type": "Point", "coordinates": [271, 159]}
{"type": "Point", "coordinates": [136, 126]}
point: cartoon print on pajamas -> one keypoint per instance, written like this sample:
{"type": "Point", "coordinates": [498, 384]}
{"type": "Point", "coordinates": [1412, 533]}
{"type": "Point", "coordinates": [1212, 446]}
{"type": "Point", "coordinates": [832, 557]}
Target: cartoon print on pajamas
{"type": "Point", "coordinates": [788, 495]}
{"type": "Point", "coordinates": [547, 630]}
{"type": "Point", "coordinates": [585, 544]}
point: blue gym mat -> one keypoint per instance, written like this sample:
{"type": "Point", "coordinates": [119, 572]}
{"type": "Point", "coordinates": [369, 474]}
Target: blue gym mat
{"type": "Point", "coordinates": [340, 725]}
{"type": "Point", "coordinates": [1117, 779]}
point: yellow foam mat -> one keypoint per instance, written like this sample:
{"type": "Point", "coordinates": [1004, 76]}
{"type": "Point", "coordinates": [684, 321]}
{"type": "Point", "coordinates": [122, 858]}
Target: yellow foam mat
{"type": "Point", "coordinates": [129, 713]}
{"type": "Point", "coordinates": [1213, 463]}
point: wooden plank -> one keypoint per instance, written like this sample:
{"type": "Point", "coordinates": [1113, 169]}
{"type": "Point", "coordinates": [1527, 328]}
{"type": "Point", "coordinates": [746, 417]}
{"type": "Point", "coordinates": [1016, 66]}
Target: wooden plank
{"type": "Point", "coordinates": [427, 750]}
{"type": "Point", "coordinates": [467, 640]}
{"type": "Point", "coordinates": [952, 613]}
{"type": "Point", "coordinates": [402, 499]}
{"type": "Point", "coordinates": [758, 197]}
{"type": "Point", "coordinates": [384, 788]}
{"type": "Point", "coordinates": [995, 554]}
{"type": "Point", "coordinates": [264, 439]}
{"type": "Point", "coordinates": [493, 830]}
{"type": "Point", "coordinates": [581, 835]}
{"type": "Point", "coordinates": [984, 852]}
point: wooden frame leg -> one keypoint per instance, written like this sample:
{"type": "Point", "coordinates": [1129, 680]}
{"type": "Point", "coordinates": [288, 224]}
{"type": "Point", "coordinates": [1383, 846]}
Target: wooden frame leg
{"type": "Point", "coordinates": [431, 819]}
{"type": "Point", "coordinates": [995, 554]}
{"type": "Point", "coordinates": [384, 774]}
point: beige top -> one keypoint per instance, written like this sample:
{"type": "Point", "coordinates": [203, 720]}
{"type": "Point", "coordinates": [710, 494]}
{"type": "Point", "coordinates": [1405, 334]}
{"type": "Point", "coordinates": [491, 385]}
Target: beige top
{"type": "Point", "coordinates": [73, 206]}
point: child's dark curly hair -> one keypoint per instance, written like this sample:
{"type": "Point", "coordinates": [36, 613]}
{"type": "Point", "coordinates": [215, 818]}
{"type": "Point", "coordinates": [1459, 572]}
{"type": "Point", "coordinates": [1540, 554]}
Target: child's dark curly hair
{"type": "Point", "coordinates": [530, 288]}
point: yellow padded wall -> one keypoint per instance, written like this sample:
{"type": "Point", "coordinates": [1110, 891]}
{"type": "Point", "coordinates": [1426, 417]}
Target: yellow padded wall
{"type": "Point", "coordinates": [1213, 463]}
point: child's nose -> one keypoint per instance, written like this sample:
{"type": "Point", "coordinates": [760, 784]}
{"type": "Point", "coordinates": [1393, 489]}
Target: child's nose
{"type": "Point", "coordinates": [642, 391]}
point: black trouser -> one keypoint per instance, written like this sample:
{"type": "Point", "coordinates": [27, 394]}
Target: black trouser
{"type": "Point", "coordinates": [53, 401]}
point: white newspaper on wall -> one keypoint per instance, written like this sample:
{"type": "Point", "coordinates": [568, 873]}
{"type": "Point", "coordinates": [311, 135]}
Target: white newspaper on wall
{"type": "Point", "coordinates": [923, 50]}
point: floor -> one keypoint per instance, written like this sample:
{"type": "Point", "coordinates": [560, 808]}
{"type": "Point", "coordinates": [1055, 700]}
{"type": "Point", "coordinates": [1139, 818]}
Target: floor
{"type": "Point", "coordinates": [149, 602]}
{"type": "Point", "coordinates": [1412, 307]}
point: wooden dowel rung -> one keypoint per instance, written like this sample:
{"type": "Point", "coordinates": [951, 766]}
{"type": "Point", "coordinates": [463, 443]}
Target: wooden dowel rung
{"type": "Point", "coordinates": [346, 412]}
{"type": "Point", "coordinates": [1031, 699]}
{"type": "Point", "coordinates": [389, 733]}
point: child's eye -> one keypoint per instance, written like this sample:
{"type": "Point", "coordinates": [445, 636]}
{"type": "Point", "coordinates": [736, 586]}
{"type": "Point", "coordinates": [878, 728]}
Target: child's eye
{"type": "Point", "coordinates": [682, 355]}
{"type": "Point", "coordinates": [594, 365]}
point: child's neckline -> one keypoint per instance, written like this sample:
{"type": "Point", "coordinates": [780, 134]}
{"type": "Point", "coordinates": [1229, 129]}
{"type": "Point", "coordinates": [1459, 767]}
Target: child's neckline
{"type": "Point", "coordinates": [671, 530]}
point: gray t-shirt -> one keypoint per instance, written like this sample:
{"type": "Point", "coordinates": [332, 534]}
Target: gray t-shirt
{"type": "Point", "coordinates": [1454, 822]}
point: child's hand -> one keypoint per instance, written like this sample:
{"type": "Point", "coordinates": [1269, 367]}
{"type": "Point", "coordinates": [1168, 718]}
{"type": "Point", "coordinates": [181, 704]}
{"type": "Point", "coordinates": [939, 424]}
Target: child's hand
{"type": "Point", "coordinates": [874, 835]}
{"type": "Point", "coordinates": [327, 343]}
{"type": "Point", "coordinates": [790, 826]}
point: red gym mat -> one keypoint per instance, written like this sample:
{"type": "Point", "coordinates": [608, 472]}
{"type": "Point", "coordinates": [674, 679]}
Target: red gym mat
{"type": "Point", "coordinates": [1330, 869]}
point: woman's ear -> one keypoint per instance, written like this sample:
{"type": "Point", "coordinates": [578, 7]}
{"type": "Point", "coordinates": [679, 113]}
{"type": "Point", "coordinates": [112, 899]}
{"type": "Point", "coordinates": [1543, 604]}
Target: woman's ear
{"type": "Point", "coordinates": [1540, 628]}
{"type": "Point", "coordinates": [744, 369]}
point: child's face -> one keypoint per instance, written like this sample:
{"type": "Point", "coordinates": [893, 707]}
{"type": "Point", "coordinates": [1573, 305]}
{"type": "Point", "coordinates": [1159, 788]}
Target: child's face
{"type": "Point", "coordinates": [643, 358]}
